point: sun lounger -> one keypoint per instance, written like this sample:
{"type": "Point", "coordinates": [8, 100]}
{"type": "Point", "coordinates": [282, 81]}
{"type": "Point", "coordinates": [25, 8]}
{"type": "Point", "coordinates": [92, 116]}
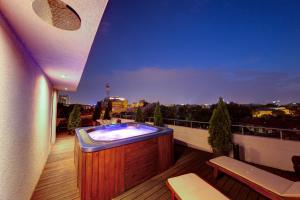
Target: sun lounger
{"type": "Point", "coordinates": [268, 184]}
{"type": "Point", "coordinates": [192, 187]}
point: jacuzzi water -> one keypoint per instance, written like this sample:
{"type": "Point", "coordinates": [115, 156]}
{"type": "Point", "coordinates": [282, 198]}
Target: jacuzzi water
{"type": "Point", "coordinates": [118, 132]}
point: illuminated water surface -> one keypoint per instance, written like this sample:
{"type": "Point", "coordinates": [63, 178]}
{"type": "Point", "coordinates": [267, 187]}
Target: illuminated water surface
{"type": "Point", "coordinates": [111, 134]}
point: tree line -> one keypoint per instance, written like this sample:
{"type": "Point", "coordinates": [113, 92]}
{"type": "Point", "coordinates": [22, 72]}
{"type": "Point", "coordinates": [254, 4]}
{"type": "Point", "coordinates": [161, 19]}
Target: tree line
{"type": "Point", "coordinates": [238, 113]}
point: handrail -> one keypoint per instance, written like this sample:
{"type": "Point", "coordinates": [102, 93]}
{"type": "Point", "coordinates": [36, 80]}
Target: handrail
{"type": "Point", "coordinates": [271, 132]}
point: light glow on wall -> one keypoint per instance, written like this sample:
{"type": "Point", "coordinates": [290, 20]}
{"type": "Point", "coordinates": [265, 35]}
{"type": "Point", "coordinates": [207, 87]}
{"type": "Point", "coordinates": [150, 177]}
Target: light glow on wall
{"type": "Point", "coordinates": [25, 118]}
{"type": "Point", "coordinates": [41, 100]}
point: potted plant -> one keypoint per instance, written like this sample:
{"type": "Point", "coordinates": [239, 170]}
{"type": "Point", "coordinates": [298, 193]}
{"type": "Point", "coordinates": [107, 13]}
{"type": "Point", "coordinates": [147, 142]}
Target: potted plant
{"type": "Point", "coordinates": [74, 119]}
{"type": "Point", "coordinates": [220, 136]}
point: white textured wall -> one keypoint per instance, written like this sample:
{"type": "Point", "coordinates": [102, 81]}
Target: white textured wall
{"type": "Point", "coordinates": [268, 151]}
{"type": "Point", "coordinates": [260, 150]}
{"type": "Point", "coordinates": [196, 138]}
{"type": "Point", "coordinates": [25, 122]}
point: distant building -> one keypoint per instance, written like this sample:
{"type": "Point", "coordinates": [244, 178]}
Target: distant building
{"type": "Point", "coordinates": [262, 111]}
{"type": "Point", "coordinates": [64, 99]}
{"type": "Point", "coordinates": [206, 105]}
{"type": "Point", "coordinates": [118, 104]}
{"type": "Point", "coordinates": [87, 109]}
{"type": "Point", "coordinates": [270, 111]}
{"type": "Point", "coordinates": [140, 103]}
{"type": "Point", "coordinates": [285, 110]}
{"type": "Point", "coordinates": [107, 89]}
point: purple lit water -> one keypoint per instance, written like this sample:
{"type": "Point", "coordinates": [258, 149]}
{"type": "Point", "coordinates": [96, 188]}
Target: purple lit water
{"type": "Point", "coordinates": [122, 132]}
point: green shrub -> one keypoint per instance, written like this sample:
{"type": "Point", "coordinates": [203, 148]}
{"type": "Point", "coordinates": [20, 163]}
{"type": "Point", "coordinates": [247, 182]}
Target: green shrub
{"type": "Point", "coordinates": [74, 119]}
{"type": "Point", "coordinates": [139, 115]}
{"type": "Point", "coordinates": [158, 119]}
{"type": "Point", "coordinates": [97, 111]}
{"type": "Point", "coordinates": [220, 136]}
{"type": "Point", "coordinates": [107, 114]}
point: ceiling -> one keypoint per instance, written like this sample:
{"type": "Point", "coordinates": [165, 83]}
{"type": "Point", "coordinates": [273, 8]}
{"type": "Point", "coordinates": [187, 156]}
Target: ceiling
{"type": "Point", "coordinates": [62, 54]}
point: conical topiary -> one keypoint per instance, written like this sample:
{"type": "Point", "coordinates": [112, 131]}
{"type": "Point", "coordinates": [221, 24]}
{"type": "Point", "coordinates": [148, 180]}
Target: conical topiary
{"type": "Point", "coordinates": [97, 111]}
{"type": "Point", "coordinates": [220, 136]}
{"type": "Point", "coordinates": [158, 119]}
{"type": "Point", "coordinates": [74, 119]}
{"type": "Point", "coordinates": [139, 115]}
{"type": "Point", "coordinates": [107, 114]}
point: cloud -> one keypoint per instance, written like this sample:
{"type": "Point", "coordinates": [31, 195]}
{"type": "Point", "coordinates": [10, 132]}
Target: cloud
{"type": "Point", "coordinates": [189, 85]}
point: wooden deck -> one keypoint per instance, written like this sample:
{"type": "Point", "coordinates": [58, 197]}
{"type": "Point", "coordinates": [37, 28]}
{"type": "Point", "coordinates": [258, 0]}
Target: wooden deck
{"type": "Point", "coordinates": [58, 180]}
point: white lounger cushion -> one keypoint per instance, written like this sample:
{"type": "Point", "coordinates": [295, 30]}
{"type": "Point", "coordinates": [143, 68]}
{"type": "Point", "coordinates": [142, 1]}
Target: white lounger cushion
{"type": "Point", "coordinates": [191, 187]}
{"type": "Point", "coordinates": [293, 191]}
{"type": "Point", "coordinates": [260, 177]}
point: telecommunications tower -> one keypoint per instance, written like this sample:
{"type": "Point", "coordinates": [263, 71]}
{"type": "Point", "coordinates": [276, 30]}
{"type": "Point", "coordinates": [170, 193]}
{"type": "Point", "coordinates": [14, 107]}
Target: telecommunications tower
{"type": "Point", "coordinates": [107, 89]}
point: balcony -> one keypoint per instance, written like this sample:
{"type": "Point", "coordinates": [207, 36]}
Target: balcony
{"type": "Point", "coordinates": [59, 180]}
{"type": "Point", "coordinates": [38, 60]}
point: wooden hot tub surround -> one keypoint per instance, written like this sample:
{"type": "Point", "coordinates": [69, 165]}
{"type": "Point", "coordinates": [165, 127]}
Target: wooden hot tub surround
{"type": "Point", "coordinates": [105, 174]}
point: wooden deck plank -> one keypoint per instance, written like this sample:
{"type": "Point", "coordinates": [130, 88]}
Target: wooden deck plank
{"type": "Point", "coordinates": [150, 192]}
{"type": "Point", "coordinates": [195, 164]}
{"type": "Point", "coordinates": [58, 180]}
{"type": "Point", "coordinates": [158, 194]}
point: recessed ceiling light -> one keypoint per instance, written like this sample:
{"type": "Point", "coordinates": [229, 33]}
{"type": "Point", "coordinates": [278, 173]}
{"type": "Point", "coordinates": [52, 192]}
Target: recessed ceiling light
{"type": "Point", "coordinates": [63, 76]}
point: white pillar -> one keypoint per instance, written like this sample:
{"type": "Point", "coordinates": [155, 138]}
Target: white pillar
{"type": "Point", "coordinates": [54, 112]}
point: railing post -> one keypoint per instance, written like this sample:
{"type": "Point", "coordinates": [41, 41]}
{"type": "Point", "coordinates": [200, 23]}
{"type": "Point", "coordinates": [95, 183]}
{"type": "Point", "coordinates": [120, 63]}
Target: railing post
{"type": "Point", "coordinates": [280, 134]}
{"type": "Point", "coordinates": [191, 124]}
{"type": "Point", "coordinates": [174, 122]}
{"type": "Point", "coordinates": [242, 130]}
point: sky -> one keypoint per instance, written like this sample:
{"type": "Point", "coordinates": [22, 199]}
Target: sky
{"type": "Point", "coordinates": [194, 51]}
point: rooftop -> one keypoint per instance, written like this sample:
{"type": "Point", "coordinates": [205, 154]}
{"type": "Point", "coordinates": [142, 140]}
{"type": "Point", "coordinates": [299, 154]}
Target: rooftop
{"type": "Point", "coordinates": [59, 181]}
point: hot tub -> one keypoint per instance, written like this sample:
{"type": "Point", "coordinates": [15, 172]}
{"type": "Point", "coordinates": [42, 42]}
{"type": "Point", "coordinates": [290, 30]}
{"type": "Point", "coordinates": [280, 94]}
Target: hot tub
{"type": "Point", "coordinates": [113, 158]}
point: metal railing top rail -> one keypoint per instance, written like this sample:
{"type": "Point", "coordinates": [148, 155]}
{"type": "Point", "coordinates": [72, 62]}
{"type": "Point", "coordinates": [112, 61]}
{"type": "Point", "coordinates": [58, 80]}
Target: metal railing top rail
{"type": "Point", "coordinates": [267, 128]}
{"type": "Point", "coordinates": [184, 120]}
{"type": "Point", "coordinates": [234, 125]}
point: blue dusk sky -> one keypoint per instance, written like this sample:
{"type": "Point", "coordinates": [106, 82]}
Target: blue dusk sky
{"type": "Point", "coordinates": [193, 51]}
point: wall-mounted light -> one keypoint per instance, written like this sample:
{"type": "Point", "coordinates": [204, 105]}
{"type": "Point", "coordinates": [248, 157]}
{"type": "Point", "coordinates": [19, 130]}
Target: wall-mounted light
{"type": "Point", "coordinates": [66, 89]}
{"type": "Point", "coordinates": [63, 76]}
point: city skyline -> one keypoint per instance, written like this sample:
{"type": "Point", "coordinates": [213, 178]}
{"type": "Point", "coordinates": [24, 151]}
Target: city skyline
{"type": "Point", "coordinates": [195, 51]}
{"type": "Point", "coordinates": [276, 102]}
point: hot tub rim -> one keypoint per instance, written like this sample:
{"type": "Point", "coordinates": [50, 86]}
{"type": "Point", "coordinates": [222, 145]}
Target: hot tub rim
{"type": "Point", "coordinates": [87, 144]}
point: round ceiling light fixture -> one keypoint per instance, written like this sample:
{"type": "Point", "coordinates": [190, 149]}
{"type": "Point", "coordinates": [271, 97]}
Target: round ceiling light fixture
{"type": "Point", "coordinates": [57, 13]}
